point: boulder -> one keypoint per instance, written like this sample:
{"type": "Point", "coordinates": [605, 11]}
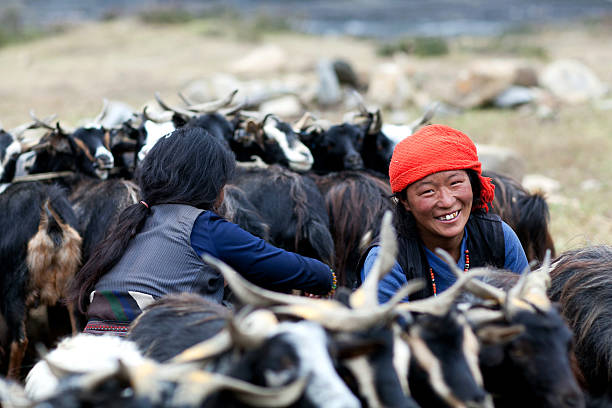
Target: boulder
{"type": "Point", "coordinates": [262, 60]}
{"type": "Point", "coordinates": [328, 92]}
{"type": "Point", "coordinates": [572, 82]}
{"type": "Point", "coordinates": [286, 107]}
{"type": "Point", "coordinates": [389, 86]}
{"type": "Point", "coordinates": [483, 81]}
{"type": "Point", "coordinates": [513, 96]}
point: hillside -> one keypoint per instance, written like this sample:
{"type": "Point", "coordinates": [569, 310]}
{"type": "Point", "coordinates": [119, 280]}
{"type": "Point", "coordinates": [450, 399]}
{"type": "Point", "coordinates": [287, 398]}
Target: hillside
{"type": "Point", "coordinates": [71, 72]}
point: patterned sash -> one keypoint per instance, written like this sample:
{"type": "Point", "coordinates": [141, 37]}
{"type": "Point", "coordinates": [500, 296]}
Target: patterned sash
{"type": "Point", "coordinates": [111, 312]}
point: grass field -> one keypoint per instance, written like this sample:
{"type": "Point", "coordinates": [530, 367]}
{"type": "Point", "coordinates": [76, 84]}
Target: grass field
{"type": "Point", "coordinates": [71, 72]}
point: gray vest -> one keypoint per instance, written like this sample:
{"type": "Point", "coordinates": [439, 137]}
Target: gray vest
{"type": "Point", "coordinates": [160, 259]}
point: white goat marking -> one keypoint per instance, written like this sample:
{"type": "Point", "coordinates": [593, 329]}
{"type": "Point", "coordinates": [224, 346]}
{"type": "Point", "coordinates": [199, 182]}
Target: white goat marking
{"type": "Point", "coordinates": [155, 131]}
{"type": "Point", "coordinates": [396, 133]}
{"type": "Point", "coordinates": [325, 388]}
{"type": "Point", "coordinates": [12, 150]}
{"type": "Point", "coordinates": [102, 151]}
{"type": "Point", "coordinates": [299, 157]}
{"type": "Point", "coordinates": [82, 353]}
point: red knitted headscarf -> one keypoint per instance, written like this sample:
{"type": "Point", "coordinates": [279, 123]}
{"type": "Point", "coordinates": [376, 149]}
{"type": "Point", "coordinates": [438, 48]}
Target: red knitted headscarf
{"type": "Point", "coordinates": [432, 149]}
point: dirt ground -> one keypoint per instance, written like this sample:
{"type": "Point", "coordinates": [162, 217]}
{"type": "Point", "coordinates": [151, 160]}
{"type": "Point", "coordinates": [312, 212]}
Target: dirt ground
{"type": "Point", "coordinates": [69, 74]}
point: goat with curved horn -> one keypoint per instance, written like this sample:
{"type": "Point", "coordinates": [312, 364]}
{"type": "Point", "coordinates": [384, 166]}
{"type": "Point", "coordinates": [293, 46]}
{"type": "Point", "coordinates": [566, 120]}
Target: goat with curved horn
{"type": "Point", "coordinates": [44, 123]}
{"type": "Point", "coordinates": [163, 117]}
{"type": "Point", "coordinates": [212, 106]}
{"type": "Point", "coordinates": [196, 386]}
{"type": "Point", "coordinates": [185, 112]}
{"type": "Point", "coordinates": [329, 313]}
{"type": "Point", "coordinates": [430, 111]}
{"type": "Point", "coordinates": [98, 120]}
{"type": "Point", "coordinates": [477, 287]}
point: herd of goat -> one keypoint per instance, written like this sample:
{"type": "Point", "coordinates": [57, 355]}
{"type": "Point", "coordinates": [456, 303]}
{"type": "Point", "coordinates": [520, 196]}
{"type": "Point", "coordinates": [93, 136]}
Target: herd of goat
{"type": "Point", "coordinates": [494, 338]}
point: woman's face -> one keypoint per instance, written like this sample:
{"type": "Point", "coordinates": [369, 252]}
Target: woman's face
{"type": "Point", "coordinates": [441, 204]}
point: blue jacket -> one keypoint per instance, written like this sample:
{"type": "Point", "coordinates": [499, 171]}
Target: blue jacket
{"type": "Point", "coordinates": [255, 259]}
{"type": "Point", "coordinates": [515, 260]}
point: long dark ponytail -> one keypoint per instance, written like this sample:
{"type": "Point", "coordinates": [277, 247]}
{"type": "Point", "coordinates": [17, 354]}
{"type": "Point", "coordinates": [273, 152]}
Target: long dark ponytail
{"type": "Point", "coordinates": [187, 166]}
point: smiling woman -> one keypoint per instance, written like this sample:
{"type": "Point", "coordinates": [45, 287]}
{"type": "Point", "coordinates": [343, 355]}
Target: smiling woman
{"type": "Point", "coordinates": [442, 202]}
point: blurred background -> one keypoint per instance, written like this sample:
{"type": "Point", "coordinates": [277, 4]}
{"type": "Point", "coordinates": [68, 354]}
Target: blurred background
{"type": "Point", "coordinates": [529, 80]}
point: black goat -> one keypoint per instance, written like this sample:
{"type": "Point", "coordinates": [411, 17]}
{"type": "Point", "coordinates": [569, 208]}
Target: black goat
{"type": "Point", "coordinates": [581, 283]}
{"type": "Point", "coordinates": [279, 354]}
{"type": "Point", "coordinates": [292, 206]}
{"type": "Point", "coordinates": [84, 150]}
{"type": "Point", "coordinates": [335, 149]}
{"type": "Point", "coordinates": [526, 344]}
{"type": "Point", "coordinates": [355, 202]}
{"type": "Point", "coordinates": [526, 213]}
{"type": "Point", "coordinates": [38, 256]}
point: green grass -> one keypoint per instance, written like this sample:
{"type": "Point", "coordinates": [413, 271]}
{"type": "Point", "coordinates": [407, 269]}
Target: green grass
{"type": "Point", "coordinates": [419, 46]}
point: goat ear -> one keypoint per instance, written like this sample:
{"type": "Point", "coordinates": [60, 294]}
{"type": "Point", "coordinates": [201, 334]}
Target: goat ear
{"type": "Point", "coordinates": [498, 334]}
{"type": "Point", "coordinates": [60, 143]}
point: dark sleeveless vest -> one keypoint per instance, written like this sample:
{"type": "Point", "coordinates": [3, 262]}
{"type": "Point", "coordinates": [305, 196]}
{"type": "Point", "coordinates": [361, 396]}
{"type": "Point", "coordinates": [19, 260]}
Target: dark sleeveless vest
{"type": "Point", "coordinates": [485, 241]}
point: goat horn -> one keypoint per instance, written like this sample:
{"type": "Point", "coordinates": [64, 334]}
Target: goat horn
{"type": "Point", "coordinates": [185, 100]}
{"type": "Point", "coordinates": [479, 316]}
{"type": "Point", "coordinates": [253, 295]}
{"type": "Point", "coordinates": [536, 285]}
{"type": "Point", "coordinates": [438, 305]}
{"type": "Point", "coordinates": [166, 116]}
{"type": "Point", "coordinates": [213, 106]}
{"type": "Point", "coordinates": [198, 385]}
{"type": "Point", "coordinates": [366, 294]}
{"type": "Point", "coordinates": [64, 130]}
{"type": "Point", "coordinates": [477, 287]}
{"type": "Point", "coordinates": [42, 123]}
{"type": "Point", "coordinates": [429, 113]}
{"type": "Point", "coordinates": [251, 328]}
{"type": "Point", "coordinates": [180, 111]}
{"type": "Point", "coordinates": [377, 123]}
{"type": "Point", "coordinates": [213, 346]}
{"type": "Point", "coordinates": [18, 131]}
{"type": "Point", "coordinates": [514, 303]}
{"type": "Point", "coordinates": [360, 103]}
{"type": "Point", "coordinates": [301, 123]}
{"type": "Point", "coordinates": [336, 317]}
{"type": "Point", "coordinates": [103, 112]}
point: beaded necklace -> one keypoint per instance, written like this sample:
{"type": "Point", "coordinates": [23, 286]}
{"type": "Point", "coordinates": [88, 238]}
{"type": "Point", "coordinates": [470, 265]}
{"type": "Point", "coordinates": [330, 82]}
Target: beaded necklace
{"type": "Point", "coordinates": [465, 269]}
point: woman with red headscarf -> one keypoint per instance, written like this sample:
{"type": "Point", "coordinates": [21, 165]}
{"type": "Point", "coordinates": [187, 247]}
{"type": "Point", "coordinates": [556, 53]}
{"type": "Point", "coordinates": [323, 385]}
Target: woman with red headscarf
{"type": "Point", "coordinates": [442, 201]}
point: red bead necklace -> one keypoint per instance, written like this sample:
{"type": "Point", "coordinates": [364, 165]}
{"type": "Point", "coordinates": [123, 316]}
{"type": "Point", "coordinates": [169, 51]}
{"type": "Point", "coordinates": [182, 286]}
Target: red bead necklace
{"type": "Point", "coordinates": [465, 269]}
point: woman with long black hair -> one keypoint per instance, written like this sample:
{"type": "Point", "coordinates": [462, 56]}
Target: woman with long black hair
{"type": "Point", "coordinates": [156, 246]}
{"type": "Point", "coordinates": [442, 202]}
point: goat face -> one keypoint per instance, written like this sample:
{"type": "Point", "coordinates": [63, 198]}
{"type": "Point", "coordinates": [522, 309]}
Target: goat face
{"type": "Point", "coordinates": [337, 148]}
{"type": "Point", "coordinates": [10, 149]}
{"type": "Point", "coordinates": [536, 362]}
{"type": "Point", "coordinates": [444, 367]}
{"type": "Point", "coordinates": [153, 132]}
{"type": "Point", "coordinates": [284, 147]}
{"type": "Point", "coordinates": [93, 151]}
